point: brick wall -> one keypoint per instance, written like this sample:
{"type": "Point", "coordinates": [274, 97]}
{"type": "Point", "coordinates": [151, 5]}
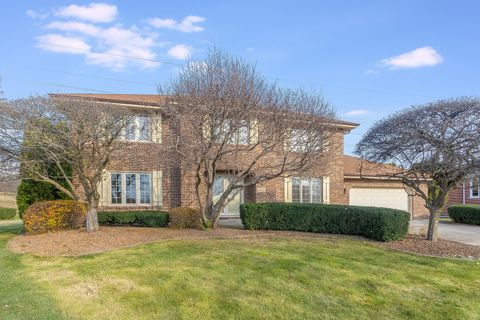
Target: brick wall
{"type": "Point", "coordinates": [460, 195]}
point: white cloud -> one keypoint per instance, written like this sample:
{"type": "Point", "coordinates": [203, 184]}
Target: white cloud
{"type": "Point", "coordinates": [188, 24]}
{"type": "Point", "coordinates": [36, 15]}
{"type": "Point", "coordinates": [356, 112]}
{"type": "Point", "coordinates": [73, 26]}
{"type": "Point", "coordinates": [371, 72]}
{"type": "Point", "coordinates": [180, 51]}
{"type": "Point", "coordinates": [421, 57]}
{"type": "Point", "coordinates": [62, 44]}
{"type": "Point", "coordinates": [94, 12]}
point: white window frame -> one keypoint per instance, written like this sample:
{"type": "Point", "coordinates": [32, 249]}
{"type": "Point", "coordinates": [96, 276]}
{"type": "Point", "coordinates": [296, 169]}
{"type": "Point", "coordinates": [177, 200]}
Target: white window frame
{"type": "Point", "coordinates": [310, 185]}
{"type": "Point", "coordinates": [472, 189]}
{"type": "Point", "coordinates": [235, 139]}
{"type": "Point", "coordinates": [136, 124]}
{"type": "Point", "coordinates": [137, 190]}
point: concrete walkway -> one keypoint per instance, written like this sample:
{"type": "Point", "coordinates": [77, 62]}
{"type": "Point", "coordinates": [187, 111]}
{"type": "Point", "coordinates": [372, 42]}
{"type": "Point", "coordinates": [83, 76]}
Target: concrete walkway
{"type": "Point", "coordinates": [464, 233]}
{"type": "Point", "coordinates": [234, 223]}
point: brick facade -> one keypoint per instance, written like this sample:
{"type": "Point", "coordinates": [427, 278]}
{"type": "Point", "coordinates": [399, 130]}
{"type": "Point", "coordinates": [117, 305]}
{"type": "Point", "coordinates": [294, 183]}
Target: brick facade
{"type": "Point", "coordinates": [177, 185]}
{"type": "Point", "coordinates": [461, 195]}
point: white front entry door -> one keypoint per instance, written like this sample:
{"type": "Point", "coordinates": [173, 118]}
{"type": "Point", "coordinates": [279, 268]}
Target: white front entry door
{"type": "Point", "coordinates": [232, 209]}
{"type": "Point", "coordinates": [377, 197]}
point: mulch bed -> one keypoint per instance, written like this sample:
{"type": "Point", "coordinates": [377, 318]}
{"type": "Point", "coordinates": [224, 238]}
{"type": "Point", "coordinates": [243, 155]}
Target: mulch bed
{"type": "Point", "coordinates": [441, 248]}
{"type": "Point", "coordinates": [79, 242]}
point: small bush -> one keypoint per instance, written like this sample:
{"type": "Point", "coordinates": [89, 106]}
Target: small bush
{"type": "Point", "coordinates": [380, 224]}
{"type": "Point", "coordinates": [7, 213]}
{"type": "Point", "coordinates": [185, 218]}
{"type": "Point", "coordinates": [469, 214]}
{"type": "Point", "coordinates": [54, 215]}
{"type": "Point", "coordinates": [31, 191]}
{"type": "Point", "coordinates": [136, 218]}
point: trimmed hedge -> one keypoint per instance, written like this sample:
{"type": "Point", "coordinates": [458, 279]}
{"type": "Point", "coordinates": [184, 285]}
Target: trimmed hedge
{"type": "Point", "coordinates": [380, 224]}
{"type": "Point", "coordinates": [185, 218]}
{"type": "Point", "coordinates": [7, 213]}
{"type": "Point", "coordinates": [469, 214]}
{"type": "Point", "coordinates": [54, 215]}
{"type": "Point", "coordinates": [136, 218]}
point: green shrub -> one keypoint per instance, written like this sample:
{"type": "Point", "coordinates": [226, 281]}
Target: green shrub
{"type": "Point", "coordinates": [54, 215]}
{"type": "Point", "coordinates": [137, 218]}
{"type": "Point", "coordinates": [7, 213]}
{"type": "Point", "coordinates": [380, 224]}
{"type": "Point", "coordinates": [31, 191]}
{"type": "Point", "coordinates": [469, 214]}
{"type": "Point", "coordinates": [185, 218]}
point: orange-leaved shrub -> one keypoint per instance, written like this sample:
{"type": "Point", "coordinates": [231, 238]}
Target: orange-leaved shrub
{"type": "Point", "coordinates": [54, 215]}
{"type": "Point", "coordinates": [185, 218]}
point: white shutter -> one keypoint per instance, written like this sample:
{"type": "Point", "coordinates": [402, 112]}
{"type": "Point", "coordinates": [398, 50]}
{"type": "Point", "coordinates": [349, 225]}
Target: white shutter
{"type": "Point", "coordinates": [253, 131]}
{"type": "Point", "coordinates": [157, 129]}
{"type": "Point", "coordinates": [157, 188]}
{"type": "Point", "coordinates": [326, 189]}
{"type": "Point", "coordinates": [104, 188]}
{"type": "Point", "coordinates": [288, 189]}
{"type": "Point", "coordinates": [206, 128]}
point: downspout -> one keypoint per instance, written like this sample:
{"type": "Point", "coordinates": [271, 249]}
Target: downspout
{"type": "Point", "coordinates": [463, 193]}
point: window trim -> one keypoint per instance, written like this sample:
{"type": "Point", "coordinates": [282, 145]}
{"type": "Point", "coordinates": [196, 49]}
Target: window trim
{"type": "Point", "coordinates": [478, 188]}
{"type": "Point", "coordinates": [137, 203]}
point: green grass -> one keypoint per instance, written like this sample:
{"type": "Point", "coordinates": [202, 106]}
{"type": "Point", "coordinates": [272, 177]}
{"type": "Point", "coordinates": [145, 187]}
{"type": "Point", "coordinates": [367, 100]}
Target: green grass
{"type": "Point", "coordinates": [268, 278]}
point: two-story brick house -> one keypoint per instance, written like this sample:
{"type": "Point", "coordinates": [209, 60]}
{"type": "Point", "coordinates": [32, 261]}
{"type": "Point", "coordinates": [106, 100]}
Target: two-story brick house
{"type": "Point", "coordinates": [141, 176]}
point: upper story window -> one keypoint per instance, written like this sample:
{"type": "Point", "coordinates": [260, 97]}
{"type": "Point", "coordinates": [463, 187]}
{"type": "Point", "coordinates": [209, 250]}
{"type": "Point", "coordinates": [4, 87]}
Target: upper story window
{"type": "Point", "coordinates": [306, 190]}
{"type": "Point", "coordinates": [298, 140]}
{"type": "Point", "coordinates": [240, 135]}
{"type": "Point", "coordinates": [475, 187]}
{"type": "Point", "coordinates": [139, 129]}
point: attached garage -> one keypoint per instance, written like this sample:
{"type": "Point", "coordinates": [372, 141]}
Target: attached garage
{"type": "Point", "coordinates": [369, 184]}
{"type": "Point", "coordinates": [377, 197]}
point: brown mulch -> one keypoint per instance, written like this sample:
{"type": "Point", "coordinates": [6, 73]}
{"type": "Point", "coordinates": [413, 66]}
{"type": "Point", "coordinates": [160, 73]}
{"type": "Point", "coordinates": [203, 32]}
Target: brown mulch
{"type": "Point", "coordinates": [79, 242]}
{"type": "Point", "coordinates": [441, 248]}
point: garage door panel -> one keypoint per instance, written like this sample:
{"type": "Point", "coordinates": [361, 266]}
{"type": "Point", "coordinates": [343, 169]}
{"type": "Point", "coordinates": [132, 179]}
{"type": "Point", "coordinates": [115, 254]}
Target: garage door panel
{"type": "Point", "coordinates": [377, 197]}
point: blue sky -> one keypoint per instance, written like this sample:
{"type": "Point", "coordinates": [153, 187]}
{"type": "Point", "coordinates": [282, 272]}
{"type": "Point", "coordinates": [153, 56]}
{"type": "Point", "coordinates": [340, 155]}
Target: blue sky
{"type": "Point", "coordinates": [368, 58]}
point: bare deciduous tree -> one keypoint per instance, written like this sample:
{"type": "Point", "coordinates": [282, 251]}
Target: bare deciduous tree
{"type": "Point", "coordinates": [229, 119]}
{"type": "Point", "coordinates": [437, 144]}
{"type": "Point", "coordinates": [76, 134]}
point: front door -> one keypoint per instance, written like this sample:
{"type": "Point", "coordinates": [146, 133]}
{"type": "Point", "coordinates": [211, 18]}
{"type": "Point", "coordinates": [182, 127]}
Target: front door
{"type": "Point", "coordinates": [232, 208]}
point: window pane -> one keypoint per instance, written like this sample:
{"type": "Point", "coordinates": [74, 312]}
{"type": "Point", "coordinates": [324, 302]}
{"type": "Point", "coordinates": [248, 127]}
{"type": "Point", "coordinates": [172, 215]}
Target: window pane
{"type": "Point", "coordinates": [316, 191]}
{"type": "Point", "coordinates": [295, 190]}
{"type": "Point", "coordinates": [144, 128]}
{"type": "Point", "coordinates": [130, 131]}
{"type": "Point", "coordinates": [306, 190]}
{"type": "Point", "coordinates": [145, 188]}
{"type": "Point", "coordinates": [243, 132]}
{"type": "Point", "coordinates": [131, 188]}
{"type": "Point", "coordinates": [475, 187]}
{"type": "Point", "coordinates": [299, 140]}
{"type": "Point", "coordinates": [116, 184]}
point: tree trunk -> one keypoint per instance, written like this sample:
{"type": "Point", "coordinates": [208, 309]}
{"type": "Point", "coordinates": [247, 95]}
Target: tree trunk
{"type": "Point", "coordinates": [92, 217]}
{"type": "Point", "coordinates": [433, 225]}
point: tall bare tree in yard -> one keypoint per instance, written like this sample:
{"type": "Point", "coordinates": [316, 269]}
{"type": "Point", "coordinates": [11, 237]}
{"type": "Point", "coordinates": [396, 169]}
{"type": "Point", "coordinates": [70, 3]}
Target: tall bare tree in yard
{"type": "Point", "coordinates": [437, 144]}
{"type": "Point", "coordinates": [231, 120]}
{"type": "Point", "coordinates": [68, 133]}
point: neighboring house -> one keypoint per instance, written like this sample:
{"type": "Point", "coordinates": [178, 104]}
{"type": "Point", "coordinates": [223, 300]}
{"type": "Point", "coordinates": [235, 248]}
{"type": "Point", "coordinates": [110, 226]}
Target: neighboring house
{"type": "Point", "coordinates": [466, 193]}
{"type": "Point", "coordinates": [9, 186]}
{"type": "Point", "coordinates": [141, 176]}
{"type": "Point", "coordinates": [371, 184]}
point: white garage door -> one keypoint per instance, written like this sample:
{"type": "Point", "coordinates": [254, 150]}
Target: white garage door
{"type": "Point", "coordinates": [372, 197]}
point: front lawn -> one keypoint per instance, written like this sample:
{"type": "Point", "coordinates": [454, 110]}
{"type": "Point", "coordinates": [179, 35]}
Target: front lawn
{"type": "Point", "coordinates": [251, 278]}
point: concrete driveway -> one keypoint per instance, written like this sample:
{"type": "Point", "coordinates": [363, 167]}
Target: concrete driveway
{"type": "Point", "coordinates": [451, 231]}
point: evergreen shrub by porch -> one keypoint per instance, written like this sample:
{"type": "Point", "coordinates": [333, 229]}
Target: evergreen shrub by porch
{"type": "Point", "coordinates": [31, 191]}
{"type": "Point", "coordinates": [380, 224]}
{"type": "Point", "coordinates": [134, 218]}
{"type": "Point", "coordinates": [7, 213]}
{"type": "Point", "coordinates": [54, 215]}
{"type": "Point", "coordinates": [185, 218]}
{"type": "Point", "coordinates": [469, 214]}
